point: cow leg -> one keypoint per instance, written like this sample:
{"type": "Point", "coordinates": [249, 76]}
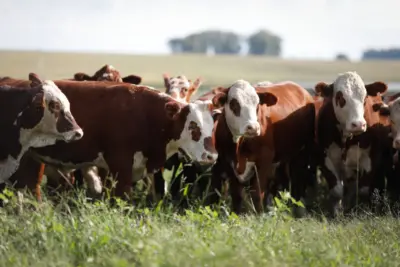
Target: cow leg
{"type": "Point", "coordinates": [236, 190]}
{"type": "Point", "coordinates": [218, 174]}
{"type": "Point", "coordinates": [92, 180]}
{"type": "Point", "coordinates": [335, 191]}
{"type": "Point", "coordinates": [159, 184]}
{"type": "Point", "coordinates": [120, 164]}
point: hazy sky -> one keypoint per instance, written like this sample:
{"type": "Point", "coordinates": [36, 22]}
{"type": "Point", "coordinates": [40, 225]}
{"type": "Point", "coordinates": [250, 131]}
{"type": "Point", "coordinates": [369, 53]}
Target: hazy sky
{"type": "Point", "coordinates": [309, 28]}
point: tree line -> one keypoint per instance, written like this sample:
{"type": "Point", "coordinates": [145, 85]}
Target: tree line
{"type": "Point", "coordinates": [391, 53]}
{"type": "Point", "coordinates": [262, 42]}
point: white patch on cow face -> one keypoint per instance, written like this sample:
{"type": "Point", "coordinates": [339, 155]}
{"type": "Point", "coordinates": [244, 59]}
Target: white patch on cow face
{"type": "Point", "coordinates": [196, 136]}
{"type": "Point", "coordinates": [394, 108]}
{"type": "Point", "coordinates": [179, 86]}
{"type": "Point", "coordinates": [247, 99]}
{"type": "Point", "coordinates": [358, 161]}
{"type": "Point", "coordinates": [248, 172]}
{"type": "Point", "coordinates": [45, 133]}
{"type": "Point", "coordinates": [349, 95]}
{"type": "Point", "coordinates": [106, 75]}
{"type": "Point", "coordinates": [139, 170]}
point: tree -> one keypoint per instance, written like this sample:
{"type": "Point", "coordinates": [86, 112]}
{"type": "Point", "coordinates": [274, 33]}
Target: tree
{"type": "Point", "coordinates": [342, 56]}
{"type": "Point", "coordinates": [392, 53]}
{"type": "Point", "coordinates": [219, 41]}
{"type": "Point", "coordinates": [264, 43]}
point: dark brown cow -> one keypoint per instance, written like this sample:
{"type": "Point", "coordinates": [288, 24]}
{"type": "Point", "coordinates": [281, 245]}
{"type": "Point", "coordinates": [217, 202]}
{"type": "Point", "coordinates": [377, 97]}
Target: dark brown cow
{"type": "Point", "coordinates": [286, 115]}
{"type": "Point", "coordinates": [149, 133]}
{"type": "Point", "coordinates": [349, 109]}
{"type": "Point", "coordinates": [108, 73]}
{"type": "Point", "coordinates": [391, 111]}
{"type": "Point", "coordinates": [32, 116]}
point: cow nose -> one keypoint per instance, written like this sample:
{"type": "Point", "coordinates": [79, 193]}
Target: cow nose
{"type": "Point", "coordinates": [358, 127]}
{"type": "Point", "coordinates": [252, 130]}
{"type": "Point", "coordinates": [78, 135]}
{"type": "Point", "coordinates": [208, 157]}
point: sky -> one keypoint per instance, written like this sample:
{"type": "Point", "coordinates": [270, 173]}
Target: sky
{"type": "Point", "coordinates": [310, 29]}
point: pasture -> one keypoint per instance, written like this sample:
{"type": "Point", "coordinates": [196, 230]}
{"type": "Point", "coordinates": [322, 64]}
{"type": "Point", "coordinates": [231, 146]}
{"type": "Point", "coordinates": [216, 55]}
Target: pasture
{"type": "Point", "coordinates": [75, 232]}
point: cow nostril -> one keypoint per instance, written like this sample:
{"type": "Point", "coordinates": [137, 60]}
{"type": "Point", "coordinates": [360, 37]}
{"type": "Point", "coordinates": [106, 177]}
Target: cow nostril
{"type": "Point", "coordinates": [354, 125]}
{"type": "Point", "coordinates": [210, 157]}
{"type": "Point", "coordinates": [77, 135]}
{"type": "Point", "coordinates": [250, 128]}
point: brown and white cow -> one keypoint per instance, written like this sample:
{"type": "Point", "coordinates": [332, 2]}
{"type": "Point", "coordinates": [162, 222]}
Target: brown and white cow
{"type": "Point", "coordinates": [180, 88]}
{"type": "Point", "coordinates": [392, 112]}
{"type": "Point", "coordinates": [32, 116]}
{"type": "Point", "coordinates": [347, 112]}
{"type": "Point", "coordinates": [285, 119]}
{"type": "Point", "coordinates": [108, 73]}
{"type": "Point", "coordinates": [127, 135]}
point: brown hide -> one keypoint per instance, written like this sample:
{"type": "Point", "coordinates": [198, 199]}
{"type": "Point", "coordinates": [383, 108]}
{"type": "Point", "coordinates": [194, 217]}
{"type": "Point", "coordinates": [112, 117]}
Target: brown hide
{"type": "Point", "coordinates": [286, 128]}
{"type": "Point", "coordinates": [102, 108]}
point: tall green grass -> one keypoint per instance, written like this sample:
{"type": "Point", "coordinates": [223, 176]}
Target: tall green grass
{"type": "Point", "coordinates": [76, 232]}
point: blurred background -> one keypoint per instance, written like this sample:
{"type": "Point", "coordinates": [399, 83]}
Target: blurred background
{"type": "Point", "coordinates": [221, 41]}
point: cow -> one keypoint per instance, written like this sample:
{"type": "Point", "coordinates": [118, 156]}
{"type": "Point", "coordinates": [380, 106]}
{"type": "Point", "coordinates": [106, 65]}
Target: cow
{"type": "Point", "coordinates": [349, 108]}
{"type": "Point", "coordinates": [32, 116]}
{"type": "Point", "coordinates": [275, 112]}
{"type": "Point", "coordinates": [391, 110]}
{"type": "Point", "coordinates": [190, 170]}
{"type": "Point", "coordinates": [107, 73]}
{"type": "Point", "coordinates": [180, 88]}
{"type": "Point", "coordinates": [150, 133]}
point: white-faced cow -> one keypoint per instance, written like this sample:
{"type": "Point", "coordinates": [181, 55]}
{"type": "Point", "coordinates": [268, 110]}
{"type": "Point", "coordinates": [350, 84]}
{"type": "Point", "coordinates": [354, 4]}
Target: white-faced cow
{"type": "Point", "coordinates": [345, 145]}
{"type": "Point", "coordinates": [150, 133]}
{"type": "Point", "coordinates": [32, 116]}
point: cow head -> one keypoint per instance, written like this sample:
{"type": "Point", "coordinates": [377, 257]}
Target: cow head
{"type": "Point", "coordinates": [392, 110]}
{"type": "Point", "coordinates": [348, 94]}
{"type": "Point", "coordinates": [193, 124]}
{"type": "Point", "coordinates": [240, 102]}
{"type": "Point", "coordinates": [56, 121]}
{"type": "Point", "coordinates": [180, 88]}
{"type": "Point", "coordinates": [108, 73]}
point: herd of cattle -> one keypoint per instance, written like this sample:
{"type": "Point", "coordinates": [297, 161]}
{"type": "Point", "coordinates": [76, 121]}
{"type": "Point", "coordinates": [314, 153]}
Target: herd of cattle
{"type": "Point", "coordinates": [266, 136]}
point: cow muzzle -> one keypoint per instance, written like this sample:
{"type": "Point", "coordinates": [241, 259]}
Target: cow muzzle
{"type": "Point", "coordinates": [208, 158]}
{"type": "Point", "coordinates": [357, 127]}
{"type": "Point", "coordinates": [252, 130]}
{"type": "Point", "coordinates": [73, 135]}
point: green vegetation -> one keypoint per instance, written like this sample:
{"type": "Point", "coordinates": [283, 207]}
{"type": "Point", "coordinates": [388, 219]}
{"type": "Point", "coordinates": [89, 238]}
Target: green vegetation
{"type": "Point", "coordinates": [77, 233]}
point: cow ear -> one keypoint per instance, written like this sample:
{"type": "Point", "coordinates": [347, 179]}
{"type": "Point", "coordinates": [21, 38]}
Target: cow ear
{"type": "Point", "coordinates": [172, 109]}
{"type": "Point", "coordinates": [80, 76]}
{"type": "Point", "coordinates": [166, 82]}
{"type": "Point", "coordinates": [35, 80]}
{"type": "Point", "coordinates": [377, 87]}
{"type": "Point", "coordinates": [221, 96]}
{"type": "Point", "coordinates": [193, 89]}
{"type": "Point", "coordinates": [324, 89]}
{"type": "Point", "coordinates": [133, 79]}
{"type": "Point", "coordinates": [267, 98]}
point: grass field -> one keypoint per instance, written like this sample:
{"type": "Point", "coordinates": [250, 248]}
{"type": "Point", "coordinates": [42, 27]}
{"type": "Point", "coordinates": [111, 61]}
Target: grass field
{"type": "Point", "coordinates": [218, 70]}
{"type": "Point", "coordinates": [77, 233]}
{"type": "Point", "coordinates": [83, 234]}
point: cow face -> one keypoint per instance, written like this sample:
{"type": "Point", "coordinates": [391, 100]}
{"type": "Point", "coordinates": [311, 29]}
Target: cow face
{"type": "Point", "coordinates": [180, 88]}
{"type": "Point", "coordinates": [107, 73]}
{"type": "Point", "coordinates": [393, 112]}
{"type": "Point", "coordinates": [57, 122]}
{"type": "Point", "coordinates": [195, 126]}
{"type": "Point", "coordinates": [348, 94]}
{"type": "Point", "coordinates": [240, 102]}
